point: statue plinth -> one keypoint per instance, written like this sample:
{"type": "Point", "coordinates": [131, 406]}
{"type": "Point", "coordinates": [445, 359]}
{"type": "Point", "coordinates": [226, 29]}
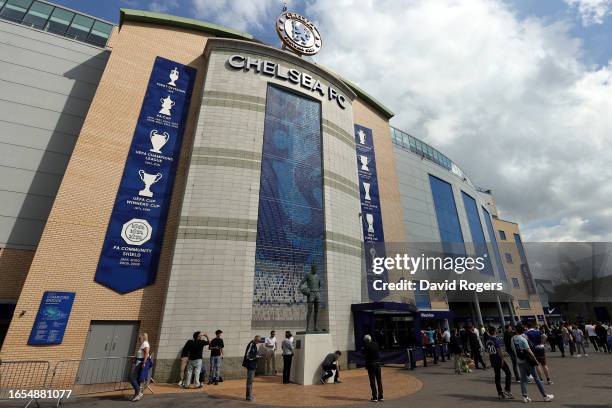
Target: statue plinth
{"type": "Point", "coordinates": [310, 351]}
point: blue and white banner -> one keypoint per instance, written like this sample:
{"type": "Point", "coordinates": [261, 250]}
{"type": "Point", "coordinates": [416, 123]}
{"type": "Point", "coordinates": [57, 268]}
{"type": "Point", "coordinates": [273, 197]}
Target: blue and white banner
{"type": "Point", "coordinates": [133, 243]}
{"type": "Point", "coordinates": [52, 318]}
{"type": "Point", "coordinates": [371, 216]}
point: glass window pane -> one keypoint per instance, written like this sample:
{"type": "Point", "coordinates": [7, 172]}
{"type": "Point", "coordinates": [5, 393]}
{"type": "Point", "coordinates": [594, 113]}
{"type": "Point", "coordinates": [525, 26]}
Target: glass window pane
{"type": "Point", "coordinates": [2, 3]}
{"type": "Point", "coordinates": [59, 21]}
{"type": "Point", "coordinates": [15, 9]}
{"type": "Point", "coordinates": [79, 29]}
{"type": "Point", "coordinates": [38, 14]}
{"type": "Point", "coordinates": [99, 33]}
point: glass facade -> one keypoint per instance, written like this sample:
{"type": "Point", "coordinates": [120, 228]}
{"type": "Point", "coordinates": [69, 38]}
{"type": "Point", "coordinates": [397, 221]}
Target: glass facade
{"type": "Point", "coordinates": [448, 220]}
{"type": "Point", "coordinates": [529, 285]}
{"type": "Point", "coordinates": [478, 238]}
{"type": "Point", "coordinates": [421, 298]}
{"type": "Point", "coordinates": [491, 232]}
{"type": "Point", "coordinates": [407, 142]}
{"type": "Point", "coordinates": [290, 225]}
{"type": "Point", "coordinates": [56, 20]}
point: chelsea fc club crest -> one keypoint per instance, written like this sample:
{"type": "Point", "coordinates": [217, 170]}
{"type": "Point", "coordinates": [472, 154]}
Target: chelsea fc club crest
{"type": "Point", "coordinates": [298, 33]}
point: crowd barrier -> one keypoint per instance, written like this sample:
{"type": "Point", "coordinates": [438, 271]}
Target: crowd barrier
{"type": "Point", "coordinates": [32, 381]}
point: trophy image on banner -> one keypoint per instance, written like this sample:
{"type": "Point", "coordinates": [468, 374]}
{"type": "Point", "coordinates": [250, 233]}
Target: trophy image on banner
{"type": "Point", "coordinates": [366, 187]}
{"type": "Point", "coordinates": [158, 140]}
{"type": "Point", "coordinates": [364, 163]}
{"type": "Point", "coordinates": [174, 75]}
{"type": "Point", "coordinates": [148, 180]}
{"type": "Point", "coordinates": [362, 136]}
{"type": "Point", "coordinates": [370, 221]}
{"type": "Point", "coordinates": [166, 105]}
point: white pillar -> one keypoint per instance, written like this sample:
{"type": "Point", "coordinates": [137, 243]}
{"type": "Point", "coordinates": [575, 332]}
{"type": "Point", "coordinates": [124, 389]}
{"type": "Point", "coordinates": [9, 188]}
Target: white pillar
{"type": "Point", "coordinates": [500, 310]}
{"type": "Point", "coordinates": [477, 307]}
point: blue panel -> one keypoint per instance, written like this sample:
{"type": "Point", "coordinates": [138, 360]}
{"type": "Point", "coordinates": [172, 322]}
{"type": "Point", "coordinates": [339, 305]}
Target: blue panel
{"type": "Point", "coordinates": [134, 238]}
{"type": "Point", "coordinates": [52, 318]}
{"type": "Point", "coordinates": [291, 223]}
{"type": "Point", "coordinates": [491, 232]}
{"type": "Point", "coordinates": [478, 238]}
{"type": "Point", "coordinates": [448, 220]}
{"type": "Point", "coordinates": [421, 298]}
{"type": "Point", "coordinates": [526, 272]}
{"type": "Point", "coordinates": [371, 215]}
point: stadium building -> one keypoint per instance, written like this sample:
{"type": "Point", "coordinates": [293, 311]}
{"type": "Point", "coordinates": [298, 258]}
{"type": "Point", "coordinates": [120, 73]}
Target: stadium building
{"type": "Point", "coordinates": [169, 175]}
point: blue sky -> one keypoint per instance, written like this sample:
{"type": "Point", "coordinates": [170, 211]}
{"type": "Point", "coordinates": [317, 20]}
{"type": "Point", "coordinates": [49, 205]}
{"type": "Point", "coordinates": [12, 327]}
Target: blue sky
{"type": "Point", "coordinates": [516, 92]}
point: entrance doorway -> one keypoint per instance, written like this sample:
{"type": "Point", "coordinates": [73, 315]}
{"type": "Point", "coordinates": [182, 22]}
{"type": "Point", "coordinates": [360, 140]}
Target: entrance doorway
{"type": "Point", "coordinates": [108, 345]}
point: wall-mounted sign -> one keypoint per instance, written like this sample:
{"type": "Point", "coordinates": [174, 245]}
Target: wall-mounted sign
{"type": "Point", "coordinates": [132, 247]}
{"type": "Point", "coordinates": [287, 74]}
{"type": "Point", "coordinates": [298, 33]}
{"type": "Point", "coordinates": [51, 319]}
{"type": "Point", "coordinates": [371, 216]}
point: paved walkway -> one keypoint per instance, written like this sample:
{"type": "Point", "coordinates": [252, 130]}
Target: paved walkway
{"type": "Point", "coordinates": [579, 383]}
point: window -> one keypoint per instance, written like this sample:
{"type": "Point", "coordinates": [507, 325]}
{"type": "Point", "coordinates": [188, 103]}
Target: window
{"type": "Point", "coordinates": [480, 244]}
{"type": "Point", "coordinates": [515, 283]}
{"type": "Point", "coordinates": [524, 304]}
{"type": "Point", "coordinates": [59, 21]}
{"type": "Point", "coordinates": [529, 284]}
{"type": "Point", "coordinates": [502, 235]}
{"type": "Point", "coordinates": [491, 232]}
{"type": "Point", "coordinates": [99, 33]}
{"type": "Point", "coordinates": [508, 258]}
{"type": "Point", "coordinates": [79, 29]}
{"type": "Point", "coordinates": [38, 15]}
{"type": "Point", "coordinates": [446, 214]}
{"type": "Point", "coordinates": [15, 9]}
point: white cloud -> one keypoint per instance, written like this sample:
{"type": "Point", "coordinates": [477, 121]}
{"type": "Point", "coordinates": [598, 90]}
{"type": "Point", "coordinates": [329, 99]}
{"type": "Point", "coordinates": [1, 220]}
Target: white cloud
{"type": "Point", "coordinates": [163, 6]}
{"type": "Point", "coordinates": [508, 99]}
{"type": "Point", "coordinates": [237, 14]}
{"type": "Point", "coordinates": [592, 11]}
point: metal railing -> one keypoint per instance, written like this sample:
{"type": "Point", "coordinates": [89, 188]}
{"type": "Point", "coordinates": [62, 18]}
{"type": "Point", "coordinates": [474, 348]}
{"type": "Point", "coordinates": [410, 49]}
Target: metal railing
{"type": "Point", "coordinates": [17, 378]}
{"type": "Point", "coordinates": [79, 376]}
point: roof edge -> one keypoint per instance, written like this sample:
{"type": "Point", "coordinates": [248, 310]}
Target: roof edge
{"type": "Point", "coordinates": [375, 103]}
{"type": "Point", "coordinates": [151, 17]}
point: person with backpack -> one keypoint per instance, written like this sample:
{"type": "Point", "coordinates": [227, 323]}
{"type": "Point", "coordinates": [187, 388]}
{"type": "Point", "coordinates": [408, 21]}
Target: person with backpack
{"type": "Point", "coordinates": [508, 334]}
{"type": "Point", "coordinates": [498, 362]}
{"type": "Point", "coordinates": [526, 363]}
{"type": "Point", "coordinates": [249, 361]}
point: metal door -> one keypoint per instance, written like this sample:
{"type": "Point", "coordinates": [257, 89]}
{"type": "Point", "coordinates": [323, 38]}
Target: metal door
{"type": "Point", "coordinates": [108, 346]}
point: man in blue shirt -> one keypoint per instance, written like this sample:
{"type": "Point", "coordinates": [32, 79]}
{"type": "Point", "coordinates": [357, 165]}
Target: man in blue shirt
{"type": "Point", "coordinates": [493, 347]}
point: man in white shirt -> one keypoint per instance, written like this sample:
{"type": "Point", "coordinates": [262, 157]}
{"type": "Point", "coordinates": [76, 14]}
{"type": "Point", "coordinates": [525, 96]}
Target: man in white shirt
{"type": "Point", "coordinates": [590, 329]}
{"type": "Point", "coordinates": [270, 347]}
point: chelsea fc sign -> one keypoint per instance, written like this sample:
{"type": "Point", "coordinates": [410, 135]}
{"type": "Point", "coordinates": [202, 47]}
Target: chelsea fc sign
{"type": "Point", "coordinates": [298, 33]}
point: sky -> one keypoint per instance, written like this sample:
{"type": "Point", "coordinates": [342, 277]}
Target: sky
{"type": "Point", "coordinates": [517, 92]}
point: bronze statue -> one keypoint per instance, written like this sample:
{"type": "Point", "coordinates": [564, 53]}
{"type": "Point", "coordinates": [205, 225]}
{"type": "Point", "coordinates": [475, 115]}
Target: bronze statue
{"type": "Point", "coordinates": [310, 287]}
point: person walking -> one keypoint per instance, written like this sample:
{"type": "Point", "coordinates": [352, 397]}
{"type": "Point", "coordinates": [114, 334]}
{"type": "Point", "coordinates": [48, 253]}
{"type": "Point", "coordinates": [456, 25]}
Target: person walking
{"type": "Point", "coordinates": [508, 334]}
{"type": "Point", "coordinates": [331, 363]}
{"type": "Point", "coordinates": [559, 339]}
{"type": "Point", "coordinates": [568, 339]}
{"type": "Point", "coordinates": [184, 361]}
{"type": "Point", "coordinates": [539, 351]}
{"type": "Point", "coordinates": [371, 351]}
{"type": "Point", "coordinates": [249, 361]}
{"type": "Point", "coordinates": [526, 364]}
{"type": "Point", "coordinates": [476, 347]}
{"type": "Point", "coordinates": [287, 349]}
{"type": "Point", "coordinates": [455, 347]}
{"type": "Point", "coordinates": [602, 335]}
{"type": "Point", "coordinates": [498, 362]}
{"type": "Point", "coordinates": [194, 366]}
{"type": "Point", "coordinates": [579, 342]}
{"type": "Point", "coordinates": [216, 358]}
{"type": "Point", "coordinates": [138, 374]}
{"type": "Point", "coordinates": [446, 336]}
{"type": "Point", "coordinates": [270, 356]}
{"type": "Point", "coordinates": [590, 332]}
